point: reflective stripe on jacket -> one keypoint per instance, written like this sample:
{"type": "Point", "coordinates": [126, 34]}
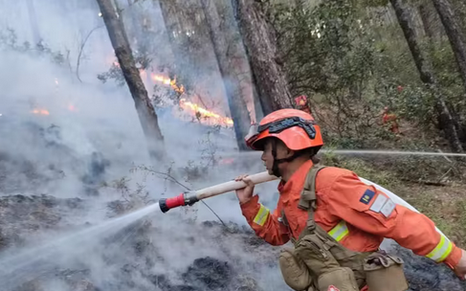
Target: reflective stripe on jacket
{"type": "Point", "coordinates": [355, 214]}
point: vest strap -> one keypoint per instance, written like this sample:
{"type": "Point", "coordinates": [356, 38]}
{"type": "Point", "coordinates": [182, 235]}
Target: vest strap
{"type": "Point", "coordinates": [308, 195]}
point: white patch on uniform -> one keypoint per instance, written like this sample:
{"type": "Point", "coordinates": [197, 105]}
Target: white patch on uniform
{"type": "Point", "coordinates": [378, 203]}
{"type": "Point", "coordinates": [388, 208]}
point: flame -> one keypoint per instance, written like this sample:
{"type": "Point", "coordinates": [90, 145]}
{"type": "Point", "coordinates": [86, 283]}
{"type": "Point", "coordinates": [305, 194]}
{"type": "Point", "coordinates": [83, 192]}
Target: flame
{"type": "Point", "coordinates": [71, 107]}
{"type": "Point", "coordinates": [212, 117]}
{"type": "Point", "coordinates": [205, 113]}
{"type": "Point", "coordinates": [41, 111]}
{"type": "Point", "coordinates": [193, 107]}
{"type": "Point", "coordinates": [227, 161]}
{"type": "Point", "coordinates": [168, 82]}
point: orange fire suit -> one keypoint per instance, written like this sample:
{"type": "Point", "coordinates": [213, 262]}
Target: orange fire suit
{"type": "Point", "coordinates": [357, 215]}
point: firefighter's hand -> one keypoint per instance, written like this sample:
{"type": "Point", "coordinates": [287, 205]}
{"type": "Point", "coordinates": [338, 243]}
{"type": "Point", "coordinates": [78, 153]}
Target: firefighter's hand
{"type": "Point", "coordinates": [460, 269]}
{"type": "Point", "coordinates": [245, 194]}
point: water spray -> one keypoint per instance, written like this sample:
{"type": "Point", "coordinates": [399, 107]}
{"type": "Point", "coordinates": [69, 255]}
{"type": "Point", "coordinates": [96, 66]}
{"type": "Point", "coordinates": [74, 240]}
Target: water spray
{"type": "Point", "coordinates": [362, 152]}
{"type": "Point", "coordinates": [189, 198]}
{"type": "Point", "coordinates": [393, 152]}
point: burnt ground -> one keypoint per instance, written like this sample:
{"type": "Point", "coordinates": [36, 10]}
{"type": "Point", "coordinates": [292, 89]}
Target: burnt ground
{"type": "Point", "coordinates": [144, 256]}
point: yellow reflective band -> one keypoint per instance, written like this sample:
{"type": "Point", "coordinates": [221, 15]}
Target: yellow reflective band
{"type": "Point", "coordinates": [339, 231]}
{"type": "Point", "coordinates": [442, 250]}
{"type": "Point", "coordinates": [261, 216]}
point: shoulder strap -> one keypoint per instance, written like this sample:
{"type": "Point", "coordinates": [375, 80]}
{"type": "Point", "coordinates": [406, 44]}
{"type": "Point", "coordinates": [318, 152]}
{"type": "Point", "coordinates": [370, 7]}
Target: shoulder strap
{"type": "Point", "coordinates": [308, 195]}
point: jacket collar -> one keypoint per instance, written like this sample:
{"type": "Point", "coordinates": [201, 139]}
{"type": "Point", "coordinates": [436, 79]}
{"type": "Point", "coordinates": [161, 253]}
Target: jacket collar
{"type": "Point", "coordinates": [296, 181]}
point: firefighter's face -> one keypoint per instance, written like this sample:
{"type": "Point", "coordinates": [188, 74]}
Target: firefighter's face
{"type": "Point", "coordinates": [267, 156]}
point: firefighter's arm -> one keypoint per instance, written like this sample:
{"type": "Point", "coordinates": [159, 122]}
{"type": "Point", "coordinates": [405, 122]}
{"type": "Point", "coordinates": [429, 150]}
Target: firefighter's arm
{"type": "Point", "coordinates": [264, 223]}
{"type": "Point", "coordinates": [374, 212]}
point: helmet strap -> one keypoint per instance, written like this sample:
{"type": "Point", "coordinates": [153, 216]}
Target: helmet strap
{"type": "Point", "coordinates": [275, 169]}
{"type": "Point", "coordinates": [276, 161]}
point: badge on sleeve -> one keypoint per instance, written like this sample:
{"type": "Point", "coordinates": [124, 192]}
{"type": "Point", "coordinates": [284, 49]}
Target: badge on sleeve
{"type": "Point", "coordinates": [384, 205]}
{"type": "Point", "coordinates": [367, 196]}
{"type": "Point", "coordinates": [388, 208]}
{"type": "Point", "coordinates": [378, 203]}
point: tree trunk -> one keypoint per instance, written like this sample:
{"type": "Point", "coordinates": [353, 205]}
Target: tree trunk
{"type": "Point", "coordinates": [144, 107]}
{"type": "Point", "coordinates": [173, 27]}
{"type": "Point", "coordinates": [454, 33]}
{"type": "Point", "coordinates": [260, 44]}
{"type": "Point", "coordinates": [33, 22]}
{"type": "Point", "coordinates": [236, 102]}
{"type": "Point", "coordinates": [446, 121]}
{"type": "Point", "coordinates": [132, 16]}
{"type": "Point", "coordinates": [426, 20]}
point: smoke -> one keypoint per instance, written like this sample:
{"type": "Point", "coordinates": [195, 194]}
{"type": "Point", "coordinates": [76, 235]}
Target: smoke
{"type": "Point", "coordinates": [66, 138]}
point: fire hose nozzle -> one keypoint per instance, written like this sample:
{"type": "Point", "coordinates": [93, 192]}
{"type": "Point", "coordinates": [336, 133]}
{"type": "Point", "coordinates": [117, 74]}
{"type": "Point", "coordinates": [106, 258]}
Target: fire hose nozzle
{"type": "Point", "coordinates": [177, 201]}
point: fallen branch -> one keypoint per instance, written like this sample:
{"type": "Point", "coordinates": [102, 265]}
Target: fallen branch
{"type": "Point", "coordinates": [453, 167]}
{"type": "Point", "coordinates": [428, 183]}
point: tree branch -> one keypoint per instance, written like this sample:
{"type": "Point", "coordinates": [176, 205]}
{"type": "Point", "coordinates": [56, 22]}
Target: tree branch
{"type": "Point", "coordinates": [78, 62]}
{"type": "Point", "coordinates": [174, 180]}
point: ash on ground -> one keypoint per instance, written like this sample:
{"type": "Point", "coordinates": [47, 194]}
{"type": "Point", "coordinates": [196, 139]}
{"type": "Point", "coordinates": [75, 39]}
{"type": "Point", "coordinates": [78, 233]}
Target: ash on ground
{"type": "Point", "coordinates": [145, 256]}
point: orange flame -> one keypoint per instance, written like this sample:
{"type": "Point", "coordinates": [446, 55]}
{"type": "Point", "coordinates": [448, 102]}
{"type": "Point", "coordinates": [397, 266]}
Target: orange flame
{"type": "Point", "coordinates": [41, 111]}
{"type": "Point", "coordinates": [168, 82]}
{"type": "Point", "coordinates": [205, 113]}
{"type": "Point", "coordinates": [195, 108]}
{"type": "Point", "coordinates": [71, 107]}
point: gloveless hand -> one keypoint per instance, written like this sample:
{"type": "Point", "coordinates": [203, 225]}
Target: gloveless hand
{"type": "Point", "coordinates": [245, 194]}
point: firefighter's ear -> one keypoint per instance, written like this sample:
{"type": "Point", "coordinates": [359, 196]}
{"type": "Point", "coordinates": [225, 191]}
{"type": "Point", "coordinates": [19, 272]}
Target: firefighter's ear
{"type": "Point", "coordinates": [289, 153]}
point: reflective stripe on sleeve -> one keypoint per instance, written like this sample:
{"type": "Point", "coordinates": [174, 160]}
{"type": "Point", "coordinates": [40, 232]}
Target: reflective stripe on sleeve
{"type": "Point", "coordinates": [339, 231]}
{"type": "Point", "coordinates": [261, 216]}
{"type": "Point", "coordinates": [442, 250]}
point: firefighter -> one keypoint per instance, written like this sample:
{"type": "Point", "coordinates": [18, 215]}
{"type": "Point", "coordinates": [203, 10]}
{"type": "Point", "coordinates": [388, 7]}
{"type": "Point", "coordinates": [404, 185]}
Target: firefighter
{"type": "Point", "coordinates": [335, 221]}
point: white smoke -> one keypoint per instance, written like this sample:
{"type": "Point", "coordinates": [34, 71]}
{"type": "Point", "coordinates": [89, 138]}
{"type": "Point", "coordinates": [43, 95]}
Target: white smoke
{"type": "Point", "coordinates": [89, 123]}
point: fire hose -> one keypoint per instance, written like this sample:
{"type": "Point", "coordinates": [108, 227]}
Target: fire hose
{"type": "Point", "coordinates": [188, 199]}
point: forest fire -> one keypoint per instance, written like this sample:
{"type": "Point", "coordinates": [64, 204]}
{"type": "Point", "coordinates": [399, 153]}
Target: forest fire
{"type": "Point", "coordinates": [71, 107]}
{"type": "Point", "coordinates": [43, 111]}
{"type": "Point", "coordinates": [168, 81]}
{"type": "Point", "coordinates": [204, 113]}
{"type": "Point", "coordinates": [40, 111]}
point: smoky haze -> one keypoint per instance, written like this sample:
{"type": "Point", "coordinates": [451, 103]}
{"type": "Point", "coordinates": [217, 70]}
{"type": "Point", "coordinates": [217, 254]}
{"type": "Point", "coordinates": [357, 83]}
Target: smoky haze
{"type": "Point", "coordinates": [66, 138]}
